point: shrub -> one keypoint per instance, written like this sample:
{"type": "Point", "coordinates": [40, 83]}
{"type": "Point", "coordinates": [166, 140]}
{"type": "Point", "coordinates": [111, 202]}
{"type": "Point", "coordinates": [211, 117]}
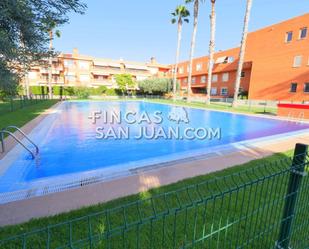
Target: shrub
{"type": "Point", "coordinates": [124, 81]}
{"type": "Point", "coordinates": [39, 90]}
{"type": "Point", "coordinates": [155, 86]}
{"type": "Point", "coordinates": [98, 91]}
{"type": "Point", "coordinates": [82, 92]}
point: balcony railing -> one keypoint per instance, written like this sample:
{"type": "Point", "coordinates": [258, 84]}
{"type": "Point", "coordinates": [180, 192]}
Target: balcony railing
{"type": "Point", "coordinates": [59, 80]}
{"type": "Point", "coordinates": [102, 82]}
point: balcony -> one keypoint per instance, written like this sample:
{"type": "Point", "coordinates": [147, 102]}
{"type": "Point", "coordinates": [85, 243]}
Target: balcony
{"type": "Point", "coordinates": [105, 71]}
{"type": "Point", "coordinates": [46, 71]}
{"type": "Point", "coordinates": [55, 80]}
{"type": "Point", "coordinates": [101, 82]}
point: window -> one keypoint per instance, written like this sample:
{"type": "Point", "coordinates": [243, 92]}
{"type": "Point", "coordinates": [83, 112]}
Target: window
{"type": "Point", "coordinates": [203, 79]}
{"type": "Point", "coordinates": [293, 87]}
{"type": "Point", "coordinates": [225, 77]}
{"type": "Point", "coordinates": [213, 91]}
{"type": "Point", "coordinates": [83, 65]}
{"type": "Point", "coordinates": [243, 74]}
{"type": "Point", "coordinates": [71, 78]}
{"type": "Point", "coordinates": [198, 67]}
{"type": "Point", "coordinates": [200, 90]}
{"type": "Point", "coordinates": [181, 70]}
{"type": "Point", "coordinates": [69, 63]}
{"type": "Point", "coordinates": [32, 75]}
{"type": "Point", "coordinates": [214, 78]}
{"type": "Point", "coordinates": [289, 36]}
{"type": "Point", "coordinates": [84, 77]}
{"type": "Point", "coordinates": [297, 61]}
{"type": "Point", "coordinates": [303, 33]}
{"type": "Point", "coordinates": [56, 78]}
{"type": "Point", "coordinates": [230, 59]}
{"type": "Point", "coordinates": [224, 91]}
{"type": "Point", "coordinates": [306, 88]}
{"type": "Point", "coordinates": [193, 79]}
{"type": "Point", "coordinates": [185, 80]}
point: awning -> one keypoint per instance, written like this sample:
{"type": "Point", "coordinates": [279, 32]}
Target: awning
{"type": "Point", "coordinates": [100, 63]}
{"type": "Point", "coordinates": [96, 72]}
{"type": "Point", "coordinates": [139, 67]}
{"type": "Point", "coordinates": [112, 64]}
{"type": "Point", "coordinates": [221, 59]}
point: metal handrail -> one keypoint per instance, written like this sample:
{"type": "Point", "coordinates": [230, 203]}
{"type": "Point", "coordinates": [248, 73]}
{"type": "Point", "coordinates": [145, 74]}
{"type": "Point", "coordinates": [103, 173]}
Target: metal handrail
{"type": "Point", "coordinates": [18, 129]}
{"type": "Point", "coordinates": [16, 139]}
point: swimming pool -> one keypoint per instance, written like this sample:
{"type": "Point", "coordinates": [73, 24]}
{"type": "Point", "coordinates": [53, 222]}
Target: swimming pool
{"type": "Point", "coordinates": [71, 151]}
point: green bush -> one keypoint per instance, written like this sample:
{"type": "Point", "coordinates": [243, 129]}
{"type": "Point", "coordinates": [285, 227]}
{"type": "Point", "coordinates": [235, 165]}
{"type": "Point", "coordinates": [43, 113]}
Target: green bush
{"type": "Point", "coordinates": [39, 90]}
{"type": "Point", "coordinates": [82, 92]}
{"type": "Point", "coordinates": [155, 86]}
{"type": "Point", "coordinates": [98, 91]}
{"type": "Point", "coordinates": [124, 81]}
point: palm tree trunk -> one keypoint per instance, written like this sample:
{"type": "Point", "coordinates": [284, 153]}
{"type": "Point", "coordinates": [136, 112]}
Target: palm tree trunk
{"type": "Point", "coordinates": [25, 79]}
{"type": "Point", "coordinates": [27, 84]}
{"type": "Point", "coordinates": [177, 57]}
{"type": "Point", "coordinates": [211, 50]}
{"type": "Point", "coordinates": [196, 10]}
{"type": "Point", "coordinates": [50, 62]}
{"type": "Point", "coordinates": [242, 52]}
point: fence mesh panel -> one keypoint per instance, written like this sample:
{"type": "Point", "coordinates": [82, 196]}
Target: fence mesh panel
{"type": "Point", "coordinates": [242, 210]}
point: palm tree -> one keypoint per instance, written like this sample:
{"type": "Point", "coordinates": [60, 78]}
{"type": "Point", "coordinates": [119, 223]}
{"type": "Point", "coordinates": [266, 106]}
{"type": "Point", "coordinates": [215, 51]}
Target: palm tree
{"type": "Point", "coordinates": [25, 79]}
{"type": "Point", "coordinates": [51, 33]}
{"type": "Point", "coordinates": [211, 49]}
{"type": "Point", "coordinates": [242, 52]}
{"type": "Point", "coordinates": [179, 15]}
{"type": "Point", "coordinates": [195, 22]}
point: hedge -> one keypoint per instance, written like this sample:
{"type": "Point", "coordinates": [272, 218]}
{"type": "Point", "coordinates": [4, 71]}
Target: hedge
{"type": "Point", "coordinates": [81, 92]}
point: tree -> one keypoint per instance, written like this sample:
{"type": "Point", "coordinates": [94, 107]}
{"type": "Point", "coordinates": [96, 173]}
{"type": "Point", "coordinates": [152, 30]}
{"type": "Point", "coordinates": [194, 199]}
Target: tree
{"type": "Point", "coordinates": [124, 82]}
{"type": "Point", "coordinates": [211, 49]}
{"type": "Point", "coordinates": [51, 32]}
{"type": "Point", "coordinates": [179, 16]}
{"type": "Point", "coordinates": [242, 52]}
{"type": "Point", "coordinates": [23, 25]}
{"type": "Point", "coordinates": [156, 86]}
{"type": "Point", "coordinates": [193, 39]}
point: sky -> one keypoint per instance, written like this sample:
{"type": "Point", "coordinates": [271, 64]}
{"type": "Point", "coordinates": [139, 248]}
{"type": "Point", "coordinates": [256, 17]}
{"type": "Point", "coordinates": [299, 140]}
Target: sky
{"type": "Point", "coordinates": [137, 30]}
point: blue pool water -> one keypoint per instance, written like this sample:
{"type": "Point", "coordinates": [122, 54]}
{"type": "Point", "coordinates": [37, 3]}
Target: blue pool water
{"type": "Point", "coordinates": [68, 143]}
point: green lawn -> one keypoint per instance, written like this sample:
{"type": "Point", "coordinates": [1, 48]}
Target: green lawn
{"type": "Point", "coordinates": [221, 106]}
{"type": "Point", "coordinates": [21, 116]}
{"type": "Point", "coordinates": [249, 214]}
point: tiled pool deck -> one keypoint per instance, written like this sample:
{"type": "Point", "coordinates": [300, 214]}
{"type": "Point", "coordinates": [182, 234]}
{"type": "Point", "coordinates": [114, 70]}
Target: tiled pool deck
{"type": "Point", "coordinates": [140, 179]}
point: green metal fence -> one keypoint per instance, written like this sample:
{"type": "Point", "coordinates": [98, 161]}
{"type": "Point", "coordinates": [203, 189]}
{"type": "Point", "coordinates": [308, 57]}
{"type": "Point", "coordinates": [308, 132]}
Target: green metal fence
{"type": "Point", "coordinates": [18, 102]}
{"type": "Point", "coordinates": [261, 207]}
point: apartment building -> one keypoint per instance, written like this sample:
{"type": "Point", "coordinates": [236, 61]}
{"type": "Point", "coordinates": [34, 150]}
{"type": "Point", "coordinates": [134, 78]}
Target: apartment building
{"type": "Point", "coordinates": [276, 65]}
{"type": "Point", "coordinates": [74, 69]}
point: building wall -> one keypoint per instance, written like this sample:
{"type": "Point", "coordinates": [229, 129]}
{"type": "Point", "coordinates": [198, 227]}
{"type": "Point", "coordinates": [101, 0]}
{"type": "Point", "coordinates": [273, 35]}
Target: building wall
{"type": "Point", "coordinates": [268, 66]}
{"type": "Point", "coordinates": [272, 56]}
{"type": "Point", "coordinates": [224, 73]}
{"type": "Point", "coordinates": [80, 70]}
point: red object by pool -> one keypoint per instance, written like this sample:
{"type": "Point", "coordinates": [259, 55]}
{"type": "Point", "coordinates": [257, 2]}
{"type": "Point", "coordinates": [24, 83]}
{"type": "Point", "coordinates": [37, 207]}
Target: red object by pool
{"type": "Point", "coordinates": [297, 111]}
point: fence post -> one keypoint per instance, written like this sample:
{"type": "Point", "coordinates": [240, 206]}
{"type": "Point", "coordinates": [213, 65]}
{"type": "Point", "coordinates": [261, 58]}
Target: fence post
{"type": "Point", "coordinates": [296, 174]}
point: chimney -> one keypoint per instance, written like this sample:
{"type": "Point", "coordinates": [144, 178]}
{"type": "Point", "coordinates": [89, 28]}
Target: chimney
{"type": "Point", "coordinates": [153, 60]}
{"type": "Point", "coordinates": [75, 52]}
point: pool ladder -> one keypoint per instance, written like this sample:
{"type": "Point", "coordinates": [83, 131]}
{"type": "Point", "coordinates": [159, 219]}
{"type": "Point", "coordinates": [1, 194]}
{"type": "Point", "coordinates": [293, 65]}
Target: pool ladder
{"type": "Point", "coordinates": [8, 132]}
